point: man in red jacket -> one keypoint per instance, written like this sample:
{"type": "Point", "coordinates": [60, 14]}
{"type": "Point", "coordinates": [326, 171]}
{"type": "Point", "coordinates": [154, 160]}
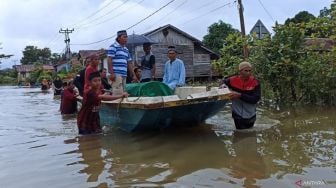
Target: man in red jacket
{"type": "Point", "coordinates": [245, 94]}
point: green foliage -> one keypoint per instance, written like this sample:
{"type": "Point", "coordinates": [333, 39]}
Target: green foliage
{"type": "Point", "coordinates": [38, 74]}
{"type": "Point", "coordinates": [7, 80]}
{"type": "Point", "coordinates": [291, 71]}
{"type": "Point", "coordinates": [4, 56]}
{"type": "Point", "coordinates": [231, 55]}
{"type": "Point", "coordinates": [8, 76]}
{"type": "Point", "coordinates": [301, 17]}
{"type": "Point", "coordinates": [32, 54]}
{"type": "Point", "coordinates": [217, 33]}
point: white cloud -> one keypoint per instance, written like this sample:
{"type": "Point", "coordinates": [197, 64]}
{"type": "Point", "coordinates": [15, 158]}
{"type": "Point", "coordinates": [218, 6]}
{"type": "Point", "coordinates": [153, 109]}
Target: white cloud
{"type": "Point", "coordinates": [37, 22]}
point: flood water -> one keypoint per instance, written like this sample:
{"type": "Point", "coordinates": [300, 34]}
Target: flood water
{"type": "Point", "coordinates": [40, 148]}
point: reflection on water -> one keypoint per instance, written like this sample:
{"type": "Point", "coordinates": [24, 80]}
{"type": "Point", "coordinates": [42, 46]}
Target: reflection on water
{"type": "Point", "coordinates": [42, 148]}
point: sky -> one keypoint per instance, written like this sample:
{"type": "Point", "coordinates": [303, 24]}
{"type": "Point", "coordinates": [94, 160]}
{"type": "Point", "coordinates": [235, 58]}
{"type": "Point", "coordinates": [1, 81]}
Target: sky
{"type": "Point", "coordinates": [37, 22]}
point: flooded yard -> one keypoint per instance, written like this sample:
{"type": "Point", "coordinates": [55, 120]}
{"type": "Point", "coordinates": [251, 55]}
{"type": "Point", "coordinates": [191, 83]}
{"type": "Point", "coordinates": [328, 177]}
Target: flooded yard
{"type": "Point", "coordinates": [41, 148]}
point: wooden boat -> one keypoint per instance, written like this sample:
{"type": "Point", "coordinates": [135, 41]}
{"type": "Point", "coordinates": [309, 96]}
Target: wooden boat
{"type": "Point", "coordinates": [189, 106]}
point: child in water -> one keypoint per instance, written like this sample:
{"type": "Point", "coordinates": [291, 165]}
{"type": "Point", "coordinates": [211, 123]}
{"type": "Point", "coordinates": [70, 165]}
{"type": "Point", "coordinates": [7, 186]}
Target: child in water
{"type": "Point", "coordinates": [68, 99]}
{"type": "Point", "coordinates": [88, 120]}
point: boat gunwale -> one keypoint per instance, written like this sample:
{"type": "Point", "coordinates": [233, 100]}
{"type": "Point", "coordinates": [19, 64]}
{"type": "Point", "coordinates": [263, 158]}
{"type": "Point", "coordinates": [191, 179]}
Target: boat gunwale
{"type": "Point", "coordinates": [121, 103]}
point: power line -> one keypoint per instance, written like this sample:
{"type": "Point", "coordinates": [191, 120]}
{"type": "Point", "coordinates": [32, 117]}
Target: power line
{"type": "Point", "coordinates": [165, 16]}
{"type": "Point", "coordinates": [130, 26]}
{"type": "Point", "coordinates": [67, 41]}
{"type": "Point", "coordinates": [150, 15]}
{"type": "Point", "coordinates": [266, 10]}
{"type": "Point", "coordinates": [211, 11]}
{"type": "Point", "coordinates": [55, 37]}
{"type": "Point", "coordinates": [94, 13]}
{"type": "Point", "coordinates": [193, 10]}
{"type": "Point", "coordinates": [109, 19]}
{"type": "Point", "coordinates": [114, 8]}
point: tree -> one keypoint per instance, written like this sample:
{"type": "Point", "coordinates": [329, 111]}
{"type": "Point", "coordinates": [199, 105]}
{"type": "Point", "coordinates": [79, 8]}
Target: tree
{"type": "Point", "coordinates": [288, 67]}
{"type": "Point", "coordinates": [301, 17]}
{"type": "Point", "coordinates": [32, 54]}
{"type": "Point", "coordinates": [4, 56]}
{"type": "Point", "coordinates": [325, 12]}
{"type": "Point", "coordinates": [217, 33]}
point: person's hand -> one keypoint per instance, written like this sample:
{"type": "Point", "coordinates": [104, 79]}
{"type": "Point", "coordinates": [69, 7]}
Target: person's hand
{"type": "Point", "coordinates": [135, 79]}
{"type": "Point", "coordinates": [112, 77]}
{"type": "Point", "coordinates": [222, 86]}
{"type": "Point", "coordinates": [234, 95]}
{"type": "Point", "coordinates": [125, 95]}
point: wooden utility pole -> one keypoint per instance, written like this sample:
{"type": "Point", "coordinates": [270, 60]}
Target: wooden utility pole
{"type": "Point", "coordinates": [242, 26]}
{"type": "Point", "coordinates": [67, 42]}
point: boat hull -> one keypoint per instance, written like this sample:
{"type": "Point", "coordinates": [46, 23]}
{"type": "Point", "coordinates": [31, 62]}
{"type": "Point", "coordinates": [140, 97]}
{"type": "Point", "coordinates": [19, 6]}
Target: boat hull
{"type": "Point", "coordinates": [136, 119]}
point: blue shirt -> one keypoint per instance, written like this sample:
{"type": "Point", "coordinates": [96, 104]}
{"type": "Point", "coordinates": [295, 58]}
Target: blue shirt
{"type": "Point", "coordinates": [120, 58]}
{"type": "Point", "coordinates": [174, 73]}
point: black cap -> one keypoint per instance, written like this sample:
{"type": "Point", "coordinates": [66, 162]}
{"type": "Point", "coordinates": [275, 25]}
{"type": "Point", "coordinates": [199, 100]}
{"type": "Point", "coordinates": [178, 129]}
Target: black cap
{"type": "Point", "coordinates": [121, 32]}
{"type": "Point", "coordinates": [172, 48]}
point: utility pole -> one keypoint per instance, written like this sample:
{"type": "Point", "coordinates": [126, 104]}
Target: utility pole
{"type": "Point", "coordinates": [67, 42]}
{"type": "Point", "coordinates": [242, 26]}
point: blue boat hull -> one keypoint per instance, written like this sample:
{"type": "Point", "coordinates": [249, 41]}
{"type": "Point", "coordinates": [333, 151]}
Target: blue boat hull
{"type": "Point", "coordinates": [136, 119]}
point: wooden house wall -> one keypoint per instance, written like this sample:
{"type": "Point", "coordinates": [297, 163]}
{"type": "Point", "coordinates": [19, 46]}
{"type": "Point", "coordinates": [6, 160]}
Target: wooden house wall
{"type": "Point", "coordinates": [171, 38]}
{"type": "Point", "coordinates": [202, 63]}
{"type": "Point", "coordinates": [196, 59]}
{"type": "Point", "coordinates": [185, 53]}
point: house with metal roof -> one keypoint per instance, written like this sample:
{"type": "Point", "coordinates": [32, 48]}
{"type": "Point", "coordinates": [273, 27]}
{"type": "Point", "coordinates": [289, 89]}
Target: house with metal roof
{"type": "Point", "coordinates": [260, 30]}
{"type": "Point", "coordinates": [196, 57]}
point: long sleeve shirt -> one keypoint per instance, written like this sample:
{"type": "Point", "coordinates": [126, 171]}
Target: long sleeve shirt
{"type": "Point", "coordinates": [174, 73]}
{"type": "Point", "coordinates": [246, 105]}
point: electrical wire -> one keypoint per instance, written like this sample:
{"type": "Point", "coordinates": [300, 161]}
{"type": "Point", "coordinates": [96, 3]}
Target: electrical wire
{"type": "Point", "coordinates": [166, 15]}
{"type": "Point", "coordinates": [209, 12]}
{"type": "Point", "coordinates": [137, 23]}
{"type": "Point", "coordinates": [110, 19]}
{"type": "Point", "coordinates": [266, 10]}
{"type": "Point", "coordinates": [94, 13]}
{"type": "Point", "coordinates": [86, 25]}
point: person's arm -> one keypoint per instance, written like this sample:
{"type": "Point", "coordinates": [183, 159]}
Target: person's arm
{"type": "Point", "coordinates": [131, 70]}
{"type": "Point", "coordinates": [152, 61]}
{"type": "Point", "coordinates": [110, 68]}
{"type": "Point", "coordinates": [253, 97]}
{"type": "Point", "coordinates": [112, 97]}
{"type": "Point", "coordinates": [224, 83]}
{"type": "Point", "coordinates": [110, 55]}
{"type": "Point", "coordinates": [181, 80]}
{"type": "Point", "coordinates": [165, 75]}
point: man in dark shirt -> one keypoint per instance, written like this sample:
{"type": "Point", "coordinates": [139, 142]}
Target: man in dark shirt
{"type": "Point", "coordinates": [147, 64]}
{"type": "Point", "coordinates": [104, 79]}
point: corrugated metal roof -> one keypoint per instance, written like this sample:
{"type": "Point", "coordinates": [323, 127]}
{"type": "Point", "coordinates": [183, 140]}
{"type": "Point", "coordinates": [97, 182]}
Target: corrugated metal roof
{"type": "Point", "coordinates": [24, 68]}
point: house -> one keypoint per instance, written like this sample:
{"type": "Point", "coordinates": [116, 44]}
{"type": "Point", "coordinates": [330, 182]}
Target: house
{"type": "Point", "coordinates": [48, 68]}
{"type": "Point", "coordinates": [23, 72]}
{"type": "Point", "coordinates": [196, 57]}
{"type": "Point", "coordinates": [319, 44]}
{"type": "Point", "coordinates": [260, 30]}
{"type": "Point", "coordinates": [83, 54]}
{"type": "Point", "coordinates": [64, 65]}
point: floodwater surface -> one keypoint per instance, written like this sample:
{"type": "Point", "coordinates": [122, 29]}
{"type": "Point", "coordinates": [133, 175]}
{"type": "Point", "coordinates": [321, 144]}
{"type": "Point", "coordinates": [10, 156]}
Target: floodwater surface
{"type": "Point", "coordinates": [41, 148]}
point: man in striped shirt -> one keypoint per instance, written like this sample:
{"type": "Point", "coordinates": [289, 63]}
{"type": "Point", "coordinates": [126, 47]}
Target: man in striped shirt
{"type": "Point", "coordinates": [119, 62]}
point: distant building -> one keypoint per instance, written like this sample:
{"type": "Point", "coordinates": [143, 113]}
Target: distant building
{"type": "Point", "coordinates": [83, 54]}
{"type": "Point", "coordinates": [319, 44]}
{"type": "Point", "coordinates": [23, 72]}
{"type": "Point", "coordinates": [196, 57]}
{"type": "Point", "coordinates": [48, 68]}
{"type": "Point", "coordinates": [65, 65]}
{"type": "Point", "coordinates": [260, 30]}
